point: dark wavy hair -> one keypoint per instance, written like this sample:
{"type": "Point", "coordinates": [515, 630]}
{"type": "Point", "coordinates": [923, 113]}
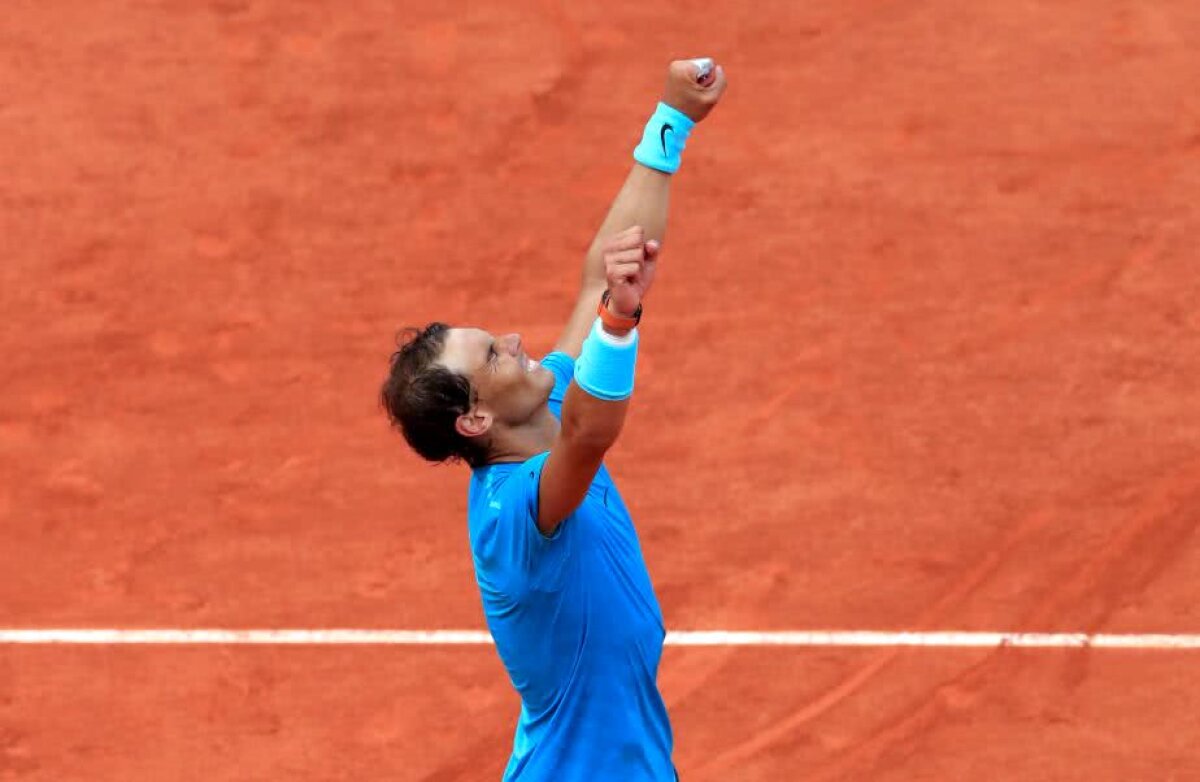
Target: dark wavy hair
{"type": "Point", "coordinates": [423, 398]}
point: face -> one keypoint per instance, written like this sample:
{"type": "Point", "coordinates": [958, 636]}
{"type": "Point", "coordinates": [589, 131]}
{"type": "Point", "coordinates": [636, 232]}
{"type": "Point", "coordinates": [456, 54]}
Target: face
{"type": "Point", "coordinates": [509, 386]}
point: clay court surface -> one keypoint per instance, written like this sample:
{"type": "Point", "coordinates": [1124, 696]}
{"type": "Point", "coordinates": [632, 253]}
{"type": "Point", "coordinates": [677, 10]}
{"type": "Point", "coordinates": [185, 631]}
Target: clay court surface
{"type": "Point", "coordinates": [923, 355]}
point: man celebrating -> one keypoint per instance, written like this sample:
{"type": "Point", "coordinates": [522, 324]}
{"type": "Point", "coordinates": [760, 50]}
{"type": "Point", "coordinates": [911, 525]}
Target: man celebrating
{"type": "Point", "coordinates": [564, 586]}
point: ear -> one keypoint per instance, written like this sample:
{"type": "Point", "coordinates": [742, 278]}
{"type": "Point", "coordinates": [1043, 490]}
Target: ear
{"type": "Point", "coordinates": [473, 423]}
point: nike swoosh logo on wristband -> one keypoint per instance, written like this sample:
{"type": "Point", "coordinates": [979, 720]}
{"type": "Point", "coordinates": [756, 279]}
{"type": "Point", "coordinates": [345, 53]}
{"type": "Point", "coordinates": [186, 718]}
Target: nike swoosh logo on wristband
{"type": "Point", "coordinates": [663, 136]}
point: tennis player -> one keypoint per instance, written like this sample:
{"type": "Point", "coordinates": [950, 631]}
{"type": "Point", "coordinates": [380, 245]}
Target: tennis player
{"type": "Point", "coordinates": [564, 586]}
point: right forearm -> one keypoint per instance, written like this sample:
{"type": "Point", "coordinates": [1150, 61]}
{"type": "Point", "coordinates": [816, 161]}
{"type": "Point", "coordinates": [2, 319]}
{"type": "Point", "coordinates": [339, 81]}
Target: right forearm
{"type": "Point", "coordinates": [589, 423]}
{"type": "Point", "coordinates": [596, 401]}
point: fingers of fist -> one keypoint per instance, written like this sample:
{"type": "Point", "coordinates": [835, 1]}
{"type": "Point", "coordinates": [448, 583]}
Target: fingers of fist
{"type": "Point", "coordinates": [627, 254]}
{"type": "Point", "coordinates": [628, 239]}
{"type": "Point", "coordinates": [695, 86]}
{"type": "Point", "coordinates": [624, 266]}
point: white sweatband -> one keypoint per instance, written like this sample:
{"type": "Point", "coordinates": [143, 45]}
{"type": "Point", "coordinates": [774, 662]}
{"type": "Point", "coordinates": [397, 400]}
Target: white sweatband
{"type": "Point", "coordinates": [606, 364]}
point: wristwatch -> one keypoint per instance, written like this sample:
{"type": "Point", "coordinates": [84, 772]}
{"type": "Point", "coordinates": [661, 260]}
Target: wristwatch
{"type": "Point", "coordinates": [616, 321]}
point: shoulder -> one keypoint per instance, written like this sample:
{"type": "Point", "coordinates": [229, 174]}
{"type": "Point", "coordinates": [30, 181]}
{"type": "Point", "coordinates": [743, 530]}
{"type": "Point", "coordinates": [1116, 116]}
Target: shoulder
{"type": "Point", "coordinates": [562, 366]}
{"type": "Point", "coordinates": [504, 498]}
{"type": "Point", "coordinates": [510, 553]}
{"type": "Point", "coordinates": [495, 486]}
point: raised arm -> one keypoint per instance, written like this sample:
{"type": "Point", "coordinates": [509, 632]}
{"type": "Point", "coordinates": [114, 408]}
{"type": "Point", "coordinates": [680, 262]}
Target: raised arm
{"type": "Point", "coordinates": [594, 409]}
{"type": "Point", "coordinates": [622, 260]}
{"type": "Point", "coordinates": [643, 198]}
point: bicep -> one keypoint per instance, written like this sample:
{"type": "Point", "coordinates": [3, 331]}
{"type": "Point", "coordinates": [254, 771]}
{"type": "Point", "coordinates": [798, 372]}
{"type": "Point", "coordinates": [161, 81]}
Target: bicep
{"type": "Point", "coordinates": [589, 427]}
{"type": "Point", "coordinates": [569, 471]}
{"type": "Point", "coordinates": [583, 315]}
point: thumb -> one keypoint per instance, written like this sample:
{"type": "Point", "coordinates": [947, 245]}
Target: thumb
{"type": "Point", "coordinates": [717, 83]}
{"type": "Point", "coordinates": [651, 248]}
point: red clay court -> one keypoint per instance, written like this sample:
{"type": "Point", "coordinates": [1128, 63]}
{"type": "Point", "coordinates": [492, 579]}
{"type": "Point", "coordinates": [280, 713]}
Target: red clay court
{"type": "Point", "coordinates": [923, 355]}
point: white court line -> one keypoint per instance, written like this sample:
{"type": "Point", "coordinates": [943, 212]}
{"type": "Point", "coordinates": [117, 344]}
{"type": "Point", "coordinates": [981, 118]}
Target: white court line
{"type": "Point", "coordinates": [842, 638]}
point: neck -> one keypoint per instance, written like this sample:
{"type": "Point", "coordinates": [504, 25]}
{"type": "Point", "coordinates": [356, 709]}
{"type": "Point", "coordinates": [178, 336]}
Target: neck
{"type": "Point", "coordinates": [526, 440]}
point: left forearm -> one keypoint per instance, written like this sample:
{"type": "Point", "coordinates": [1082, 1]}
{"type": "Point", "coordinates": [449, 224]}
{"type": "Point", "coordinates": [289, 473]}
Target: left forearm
{"type": "Point", "coordinates": [693, 87]}
{"type": "Point", "coordinates": [643, 201]}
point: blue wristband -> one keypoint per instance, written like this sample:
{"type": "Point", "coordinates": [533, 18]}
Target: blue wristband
{"type": "Point", "coordinates": [606, 364]}
{"type": "Point", "coordinates": [663, 139]}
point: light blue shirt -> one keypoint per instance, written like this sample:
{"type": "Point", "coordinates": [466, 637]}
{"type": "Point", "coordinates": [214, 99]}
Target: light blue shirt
{"type": "Point", "coordinates": [576, 623]}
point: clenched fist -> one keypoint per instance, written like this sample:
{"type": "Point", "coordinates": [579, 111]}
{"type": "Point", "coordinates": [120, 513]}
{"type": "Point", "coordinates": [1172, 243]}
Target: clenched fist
{"type": "Point", "coordinates": [692, 92]}
{"type": "Point", "coordinates": [629, 265]}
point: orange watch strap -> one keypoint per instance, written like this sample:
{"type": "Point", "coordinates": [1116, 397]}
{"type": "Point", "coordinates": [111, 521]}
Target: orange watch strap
{"type": "Point", "coordinates": [616, 321]}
